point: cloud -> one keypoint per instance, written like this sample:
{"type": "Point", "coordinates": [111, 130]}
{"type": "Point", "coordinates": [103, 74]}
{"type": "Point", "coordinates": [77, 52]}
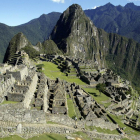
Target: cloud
{"type": "Point", "coordinates": [59, 1]}
{"type": "Point", "coordinates": [95, 7]}
{"type": "Point", "coordinates": [92, 8]}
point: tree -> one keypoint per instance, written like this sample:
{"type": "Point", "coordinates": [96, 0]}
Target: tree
{"type": "Point", "coordinates": [129, 91]}
{"type": "Point", "coordinates": [101, 87]}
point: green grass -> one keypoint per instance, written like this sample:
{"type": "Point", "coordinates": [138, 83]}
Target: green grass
{"type": "Point", "coordinates": [39, 137]}
{"type": "Point", "coordinates": [49, 137]}
{"type": "Point", "coordinates": [71, 109]}
{"type": "Point", "coordinates": [127, 129]}
{"type": "Point", "coordinates": [100, 130]}
{"type": "Point", "coordinates": [96, 95]}
{"type": "Point", "coordinates": [8, 102]}
{"type": "Point", "coordinates": [51, 71]}
{"type": "Point", "coordinates": [14, 137]}
{"type": "Point", "coordinates": [50, 122]}
{"type": "Point", "coordinates": [84, 136]}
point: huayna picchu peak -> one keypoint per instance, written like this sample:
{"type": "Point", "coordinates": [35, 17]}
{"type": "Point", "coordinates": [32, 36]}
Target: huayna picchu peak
{"type": "Point", "coordinates": [82, 83]}
{"type": "Point", "coordinates": [76, 35]}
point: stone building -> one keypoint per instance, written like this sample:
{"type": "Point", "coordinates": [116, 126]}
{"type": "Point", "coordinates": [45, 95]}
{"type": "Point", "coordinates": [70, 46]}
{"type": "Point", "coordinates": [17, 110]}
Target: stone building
{"type": "Point", "coordinates": [20, 73]}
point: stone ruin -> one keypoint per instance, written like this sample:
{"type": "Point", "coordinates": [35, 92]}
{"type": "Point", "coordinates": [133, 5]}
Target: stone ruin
{"type": "Point", "coordinates": [39, 97]}
{"type": "Point", "coordinates": [57, 97]}
{"type": "Point", "coordinates": [19, 58]}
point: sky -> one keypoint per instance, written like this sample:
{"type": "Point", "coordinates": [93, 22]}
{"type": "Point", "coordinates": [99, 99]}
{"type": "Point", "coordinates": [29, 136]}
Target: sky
{"type": "Point", "coordinates": [16, 12]}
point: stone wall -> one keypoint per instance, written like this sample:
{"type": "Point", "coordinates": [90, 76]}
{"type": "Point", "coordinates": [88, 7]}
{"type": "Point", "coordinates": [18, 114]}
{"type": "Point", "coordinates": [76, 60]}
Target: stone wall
{"type": "Point", "coordinates": [24, 72]}
{"type": "Point", "coordinates": [45, 99]}
{"type": "Point", "coordinates": [20, 74]}
{"type": "Point", "coordinates": [98, 122]}
{"type": "Point", "coordinates": [4, 68]}
{"type": "Point", "coordinates": [17, 113]}
{"type": "Point", "coordinates": [30, 130]}
{"type": "Point", "coordinates": [29, 94]}
{"type": "Point", "coordinates": [5, 85]}
{"type": "Point", "coordinates": [103, 136]}
{"type": "Point", "coordinates": [15, 97]}
{"type": "Point", "coordinates": [65, 120]}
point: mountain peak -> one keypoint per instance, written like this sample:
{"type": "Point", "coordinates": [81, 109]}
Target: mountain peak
{"type": "Point", "coordinates": [74, 9]}
{"type": "Point", "coordinates": [18, 42]}
{"type": "Point", "coordinates": [129, 4]}
{"type": "Point", "coordinates": [109, 4]}
{"type": "Point", "coordinates": [76, 35]}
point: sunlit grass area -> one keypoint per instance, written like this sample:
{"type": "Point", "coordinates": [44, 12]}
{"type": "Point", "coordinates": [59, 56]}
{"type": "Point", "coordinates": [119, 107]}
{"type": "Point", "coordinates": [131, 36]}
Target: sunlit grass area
{"type": "Point", "coordinates": [51, 71]}
{"type": "Point", "coordinates": [100, 130]}
{"type": "Point", "coordinates": [9, 102]}
{"type": "Point", "coordinates": [128, 130]}
{"type": "Point", "coordinates": [71, 109]}
{"type": "Point", "coordinates": [99, 98]}
{"type": "Point", "coordinates": [39, 137]}
{"type": "Point", "coordinates": [14, 137]}
{"type": "Point", "coordinates": [49, 137]}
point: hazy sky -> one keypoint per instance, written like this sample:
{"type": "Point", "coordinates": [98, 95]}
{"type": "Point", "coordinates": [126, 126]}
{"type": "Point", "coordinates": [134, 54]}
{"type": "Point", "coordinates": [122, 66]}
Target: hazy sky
{"type": "Point", "coordinates": [16, 12]}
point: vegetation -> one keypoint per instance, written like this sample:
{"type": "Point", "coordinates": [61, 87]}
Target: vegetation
{"type": "Point", "coordinates": [71, 109]}
{"type": "Point", "coordinates": [39, 67]}
{"type": "Point", "coordinates": [97, 97]}
{"type": "Point", "coordinates": [9, 102]}
{"type": "Point", "coordinates": [100, 130]}
{"type": "Point", "coordinates": [100, 87]}
{"type": "Point", "coordinates": [31, 52]}
{"type": "Point", "coordinates": [36, 30]}
{"type": "Point", "coordinates": [49, 47]}
{"type": "Point", "coordinates": [14, 137]}
{"type": "Point", "coordinates": [52, 71]}
{"type": "Point", "coordinates": [39, 137]}
{"type": "Point", "coordinates": [128, 130]}
{"type": "Point", "coordinates": [84, 135]}
{"type": "Point", "coordinates": [117, 19]}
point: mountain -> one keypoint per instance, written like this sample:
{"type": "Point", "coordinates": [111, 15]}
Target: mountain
{"type": "Point", "coordinates": [17, 43]}
{"type": "Point", "coordinates": [20, 42]}
{"type": "Point", "coordinates": [117, 19]}
{"type": "Point", "coordinates": [78, 37]}
{"type": "Point", "coordinates": [36, 30]}
{"type": "Point", "coordinates": [132, 6]}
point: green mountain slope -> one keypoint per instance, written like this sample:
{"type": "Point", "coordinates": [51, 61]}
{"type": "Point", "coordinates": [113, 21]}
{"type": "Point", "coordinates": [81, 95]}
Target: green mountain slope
{"type": "Point", "coordinates": [17, 43]}
{"type": "Point", "coordinates": [20, 42]}
{"type": "Point", "coordinates": [36, 30]}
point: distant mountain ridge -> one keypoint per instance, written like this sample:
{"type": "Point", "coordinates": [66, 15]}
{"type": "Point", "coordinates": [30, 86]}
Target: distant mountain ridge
{"type": "Point", "coordinates": [117, 19]}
